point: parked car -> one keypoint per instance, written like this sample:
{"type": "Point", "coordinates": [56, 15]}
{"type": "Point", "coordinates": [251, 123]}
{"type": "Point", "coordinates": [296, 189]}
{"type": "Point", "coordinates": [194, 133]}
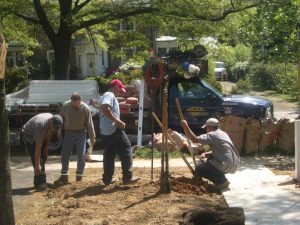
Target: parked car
{"type": "Point", "coordinates": [220, 71]}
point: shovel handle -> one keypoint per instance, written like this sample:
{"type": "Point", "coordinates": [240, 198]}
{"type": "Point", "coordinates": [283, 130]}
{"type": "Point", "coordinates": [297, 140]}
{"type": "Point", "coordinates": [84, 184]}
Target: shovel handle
{"type": "Point", "coordinates": [174, 143]}
{"type": "Point", "coordinates": [179, 109]}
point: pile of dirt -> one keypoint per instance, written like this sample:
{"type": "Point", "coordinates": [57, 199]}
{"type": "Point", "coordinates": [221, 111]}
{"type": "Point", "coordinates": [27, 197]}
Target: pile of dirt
{"type": "Point", "coordinates": [193, 185]}
{"type": "Point", "coordinates": [90, 202]}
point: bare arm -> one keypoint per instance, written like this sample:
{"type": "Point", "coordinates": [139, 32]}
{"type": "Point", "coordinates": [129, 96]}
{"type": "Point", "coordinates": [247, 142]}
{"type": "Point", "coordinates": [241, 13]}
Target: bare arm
{"type": "Point", "coordinates": [189, 133]}
{"type": "Point", "coordinates": [37, 156]}
{"type": "Point", "coordinates": [90, 126]}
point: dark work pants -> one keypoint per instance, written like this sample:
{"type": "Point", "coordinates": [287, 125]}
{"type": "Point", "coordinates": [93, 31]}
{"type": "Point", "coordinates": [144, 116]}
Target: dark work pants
{"type": "Point", "coordinates": [208, 171]}
{"type": "Point", "coordinates": [116, 144]}
{"type": "Point", "coordinates": [40, 179]}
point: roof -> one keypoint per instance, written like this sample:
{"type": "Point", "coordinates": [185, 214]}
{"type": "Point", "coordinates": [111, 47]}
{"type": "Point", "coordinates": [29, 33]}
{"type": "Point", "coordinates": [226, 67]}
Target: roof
{"type": "Point", "coordinates": [166, 38]}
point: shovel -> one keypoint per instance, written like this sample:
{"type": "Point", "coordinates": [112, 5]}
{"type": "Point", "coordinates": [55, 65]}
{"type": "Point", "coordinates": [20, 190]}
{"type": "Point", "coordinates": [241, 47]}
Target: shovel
{"type": "Point", "coordinates": [188, 140]}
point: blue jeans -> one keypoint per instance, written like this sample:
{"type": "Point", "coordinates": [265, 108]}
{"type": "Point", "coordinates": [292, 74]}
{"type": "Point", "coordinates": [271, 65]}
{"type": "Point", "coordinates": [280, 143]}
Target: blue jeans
{"type": "Point", "coordinates": [116, 144]}
{"type": "Point", "coordinates": [73, 139]}
{"type": "Point", "coordinates": [38, 179]}
{"type": "Point", "coordinates": [208, 171]}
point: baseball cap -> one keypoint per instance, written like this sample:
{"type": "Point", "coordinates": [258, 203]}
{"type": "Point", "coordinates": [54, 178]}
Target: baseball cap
{"type": "Point", "coordinates": [57, 122]}
{"type": "Point", "coordinates": [119, 84]}
{"type": "Point", "coordinates": [211, 122]}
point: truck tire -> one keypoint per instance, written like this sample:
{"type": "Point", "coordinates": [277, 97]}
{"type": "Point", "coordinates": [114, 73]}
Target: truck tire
{"type": "Point", "coordinates": [55, 145]}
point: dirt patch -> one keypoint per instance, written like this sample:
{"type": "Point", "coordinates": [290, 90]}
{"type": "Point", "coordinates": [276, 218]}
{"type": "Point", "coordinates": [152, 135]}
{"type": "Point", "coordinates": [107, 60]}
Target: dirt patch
{"type": "Point", "coordinates": [282, 168]}
{"type": "Point", "coordinates": [90, 202]}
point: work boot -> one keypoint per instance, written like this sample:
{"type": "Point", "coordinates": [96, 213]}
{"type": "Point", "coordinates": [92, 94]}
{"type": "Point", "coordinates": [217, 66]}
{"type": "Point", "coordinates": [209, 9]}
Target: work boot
{"type": "Point", "coordinates": [43, 178]}
{"type": "Point", "coordinates": [131, 180]}
{"type": "Point", "coordinates": [40, 182]}
{"type": "Point", "coordinates": [219, 187]}
{"type": "Point", "coordinates": [113, 180]}
{"type": "Point", "coordinates": [62, 180]}
{"type": "Point", "coordinates": [79, 178]}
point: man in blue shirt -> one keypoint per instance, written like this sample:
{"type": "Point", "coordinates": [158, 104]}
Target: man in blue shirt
{"type": "Point", "coordinates": [115, 140]}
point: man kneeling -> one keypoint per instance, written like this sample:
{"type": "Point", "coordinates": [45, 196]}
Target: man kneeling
{"type": "Point", "coordinates": [223, 157]}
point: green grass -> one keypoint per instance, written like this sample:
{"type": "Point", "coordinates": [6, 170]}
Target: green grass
{"type": "Point", "coordinates": [274, 93]}
{"type": "Point", "coordinates": [280, 95]}
{"type": "Point", "coordinates": [146, 153]}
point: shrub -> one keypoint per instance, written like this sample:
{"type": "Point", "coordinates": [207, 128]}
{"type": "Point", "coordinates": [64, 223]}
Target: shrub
{"type": "Point", "coordinates": [213, 82]}
{"type": "Point", "coordinates": [285, 81]}
{"type": "Point", "coordinates": [16, 78]}
{"type": "Point", "coordinates": [242, 87]}
{"type": "Point", "coordinates": [102, 82]}
{"type": "Point", "coordinates": [276, 76]}
{"type": "Point", "coordinates": [239, 70]}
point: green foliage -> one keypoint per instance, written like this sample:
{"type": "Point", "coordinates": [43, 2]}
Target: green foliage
{"type": "Point", "coordinates": [15, 79]}
{"type": "Point", "coordinates": [126, 73]}
{"type": "Point", "coordinates": [273, 31]}
{"type": "Point", "coordinates": [213, 82]}
{"type": "Point", "coordinates": [285, 81]}
{"type": "Point", "coordinates": [240, 70]}
{"type": "Point", "coordinates": [276, 76]}
{"type": "Point", "coordinates": [102, 82]}
{"type": "Point", "coordinates": [232, 55]}
{"type": "Point", "coordinates": [146, 153]}
{"type": "Point", "coordinates": [242, 87]}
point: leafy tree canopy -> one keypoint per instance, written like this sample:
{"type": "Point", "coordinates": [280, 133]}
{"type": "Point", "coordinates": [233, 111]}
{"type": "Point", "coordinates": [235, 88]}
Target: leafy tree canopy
{"type": "Point", "coordinates": [63, 19]}
{"type": "Point", "coordinates": [273, 30]}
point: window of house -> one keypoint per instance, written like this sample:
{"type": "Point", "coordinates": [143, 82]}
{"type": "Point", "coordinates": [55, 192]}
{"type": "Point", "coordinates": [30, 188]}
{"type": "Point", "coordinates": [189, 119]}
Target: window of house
{"type": "Point", "coordinates": [173, 49]}
{"type": "Point", "coordinates": [20, 60]}
{"type": "Point", "coordinates": [127, 25]}
{"type": "Point", "coordinates": [10, 59]}
{"type": "Point", "coordinates": [161, 51]}
{"type": "Point", "coordinates": [79, 63]}
{"type": "Point", "coordinates": [102, 58]}
{"type": "Point", "coordinates": [51, 61]}
{"type": "Point", "coordinates": [129, 52]}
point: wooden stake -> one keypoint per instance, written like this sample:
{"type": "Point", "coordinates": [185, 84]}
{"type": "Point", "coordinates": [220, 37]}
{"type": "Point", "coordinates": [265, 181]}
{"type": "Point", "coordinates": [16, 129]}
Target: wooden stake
{"type": "Point", "coordinates": [165, 184]}
{"type": "Point", "coordinates": [188, 140]}
{"type": "Point", "coordinates": [174, 143]}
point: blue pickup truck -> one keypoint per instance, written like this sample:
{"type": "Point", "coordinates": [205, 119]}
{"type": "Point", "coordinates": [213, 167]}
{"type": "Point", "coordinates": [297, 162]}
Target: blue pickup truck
{"type": "Point", "coordinates": [199, 101]}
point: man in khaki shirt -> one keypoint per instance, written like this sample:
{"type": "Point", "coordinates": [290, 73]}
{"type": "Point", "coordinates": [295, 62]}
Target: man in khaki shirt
{"type": "Point", "coordinates": [77, 121]}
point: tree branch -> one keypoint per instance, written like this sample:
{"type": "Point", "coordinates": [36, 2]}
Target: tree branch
{"type": "Point", "coordinates": [110, 17]}
{"type": "Point", "coordinates": [77, 7]}
{"type": "Point", "coordinates": [27, 18]}
{"type": "Point", "coordinates": [44, 20]}
{"type": "Point", "coordinates": [218, 18]}
{"type": "Point", "coordinates": [76, 3]}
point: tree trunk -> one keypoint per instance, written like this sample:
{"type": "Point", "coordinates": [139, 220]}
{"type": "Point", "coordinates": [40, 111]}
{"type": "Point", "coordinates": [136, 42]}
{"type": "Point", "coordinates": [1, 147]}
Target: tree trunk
{"type": "Point", "coordinates": [6, 203]}
{"type": "Point", "coordinates": [62, 48]}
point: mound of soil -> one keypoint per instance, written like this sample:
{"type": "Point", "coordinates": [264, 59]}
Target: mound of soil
{"type": "Point", "coordinates": [90, 202]}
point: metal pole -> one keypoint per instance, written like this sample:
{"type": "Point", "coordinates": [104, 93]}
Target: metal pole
{"type": "Point", "coordinates": [141, 114]}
